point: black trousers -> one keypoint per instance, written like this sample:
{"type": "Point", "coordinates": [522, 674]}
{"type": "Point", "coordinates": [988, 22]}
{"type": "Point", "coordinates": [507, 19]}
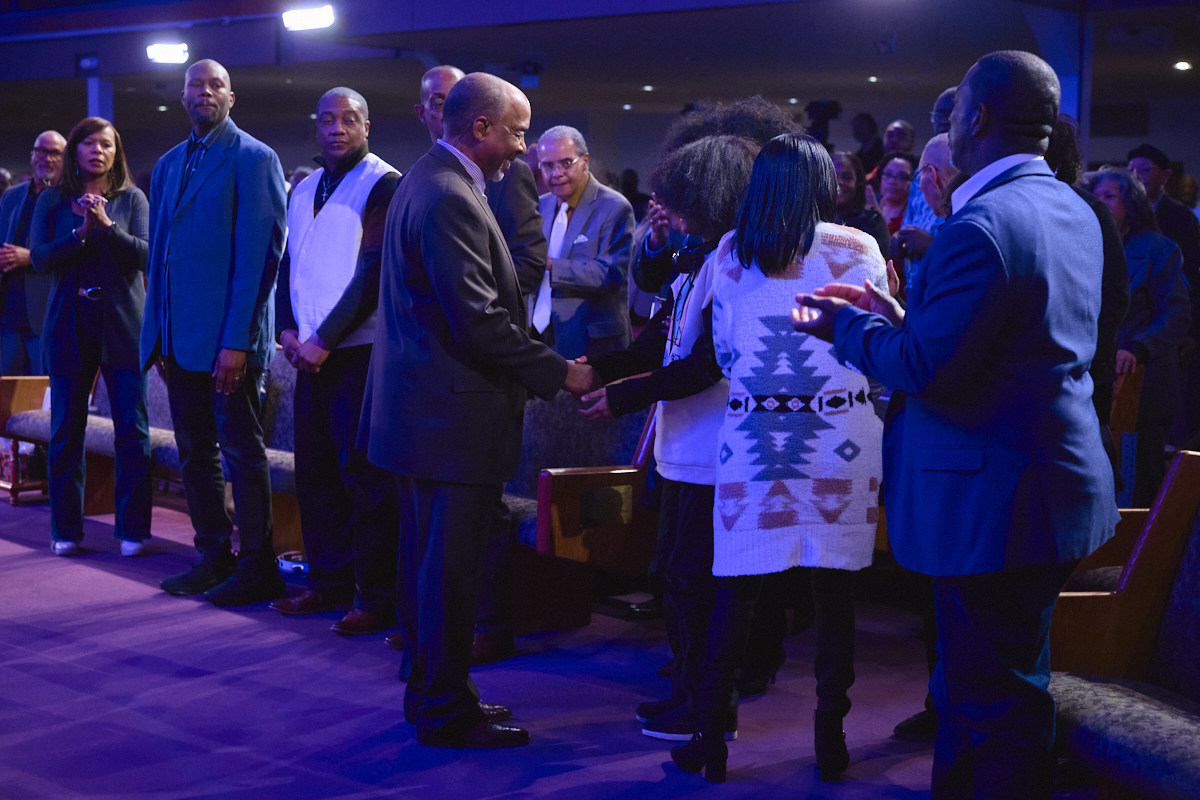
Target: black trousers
{"type": "Point", "coordinates": [349, 515]}
{"type": "Point", "coordinates": [209, 424]}
{"type": "Point", "coordinates": [833, 600]}
{"type": "Point", "coordinates": [995, 712]}
{"type": "Point", "coordinates": [495, 582]}
{"type": "Point", "coordinates": [685, 543]}
{"type": "Point", "coordinates": [444, 531]}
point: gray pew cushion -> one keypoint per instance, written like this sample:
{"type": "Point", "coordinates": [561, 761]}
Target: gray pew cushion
{"type": "Point", "coordinates": [1142, 736]}
{"type": "Point", "coordinates": [1104, 579]}
{"type": "Point", "coordinates": [1176, 664]}
{"type": "Point", "coordinates": [278, 422]}
{"type": "Point", "coordinates": [524, 517]}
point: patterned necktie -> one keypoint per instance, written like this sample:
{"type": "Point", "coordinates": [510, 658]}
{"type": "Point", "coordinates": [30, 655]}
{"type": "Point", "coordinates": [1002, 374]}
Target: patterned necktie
{"type": "Point", "coordinates": [558, 232]}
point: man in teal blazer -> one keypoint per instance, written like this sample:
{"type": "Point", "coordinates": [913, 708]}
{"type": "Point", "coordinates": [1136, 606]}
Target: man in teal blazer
{"type": "Point", "coordinates": [995, 479]}
{"type": "Point", "coordinates": [217, 225]}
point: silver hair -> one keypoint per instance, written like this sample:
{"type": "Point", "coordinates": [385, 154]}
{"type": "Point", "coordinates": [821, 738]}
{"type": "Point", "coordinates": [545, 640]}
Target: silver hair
{"type": "Point", "coordinates": [559, 132]}
{"type": "Point", "coordinates": [349, 94]}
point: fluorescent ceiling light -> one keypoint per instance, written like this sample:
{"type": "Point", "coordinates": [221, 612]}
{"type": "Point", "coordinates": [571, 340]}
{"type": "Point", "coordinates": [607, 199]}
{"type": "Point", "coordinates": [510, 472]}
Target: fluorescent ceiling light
{"type": "Point", "coordinates": [307, 19]}
{"type": "Point", "coordinates": [167, 53]}
{"type": "Point", "coordinates": [647, 88]}
{"type": "Point", "coordinates": [1183, 66]}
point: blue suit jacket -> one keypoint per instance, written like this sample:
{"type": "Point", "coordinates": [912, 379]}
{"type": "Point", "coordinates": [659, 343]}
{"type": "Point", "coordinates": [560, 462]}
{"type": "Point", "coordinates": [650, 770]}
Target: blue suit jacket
{"type": "Point", "coordinates": [994, 458]}
{"type": "Point", "coordinates": [214, 252]}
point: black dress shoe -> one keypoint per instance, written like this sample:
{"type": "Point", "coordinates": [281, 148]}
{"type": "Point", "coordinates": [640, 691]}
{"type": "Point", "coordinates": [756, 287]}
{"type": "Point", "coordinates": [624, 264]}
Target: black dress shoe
{"type": "Point", "coordinates": [495, 713]}
{"type": "Point", "coordinates": [647, 609]}
{"type": "Point", "coordinates": [829, 741]}
{"type": "Point", "coordinates": [481, 735]}
{"type": "Point", "coordinates": [920, 727]}
{"type": "Point", "coordinates": [240, 590]}
{"type": "Point", "coordinates": [198, 579]}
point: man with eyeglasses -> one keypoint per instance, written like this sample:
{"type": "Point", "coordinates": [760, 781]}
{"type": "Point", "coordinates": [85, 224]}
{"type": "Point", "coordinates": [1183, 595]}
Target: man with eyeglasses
{"type": "Point", "coordinates": [582, 306]}
{"type": "Point", "coordinates": [23, 292]}
{"type": "Point", "coordinates": [921, 222]}
{"type": "Point", "coordinates": [514, 202]}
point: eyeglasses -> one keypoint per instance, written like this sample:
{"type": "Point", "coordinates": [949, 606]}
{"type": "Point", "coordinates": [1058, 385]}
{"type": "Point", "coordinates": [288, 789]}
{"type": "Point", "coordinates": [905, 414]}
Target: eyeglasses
{"type": "Point", "coordinates": [46, 153]}
{"type": "Point", "coordinates": [897, 176]}
{"type": "Point", "coordinates": [548, 167]}
{"type": "Point", "coordinates": [924, 168]}
{"type": "Point", "coordinates": [690, 257]}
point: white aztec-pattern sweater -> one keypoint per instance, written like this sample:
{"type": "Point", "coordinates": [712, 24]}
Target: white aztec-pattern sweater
{"type": "Point", "coordinates": [800, 449]}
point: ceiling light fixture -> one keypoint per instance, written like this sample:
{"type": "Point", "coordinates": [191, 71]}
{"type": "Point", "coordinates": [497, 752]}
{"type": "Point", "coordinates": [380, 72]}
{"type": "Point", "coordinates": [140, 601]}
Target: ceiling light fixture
{"type": "Point", "coordinates": [627, 107]}
{"type": "Point", "coordinates": [793, 100]}
{"type": "Point", "coordinates": [872, 79]}
{"type": "Point", "coordinates": [1183, 66]}
{"type": "Point", "coordinates": [164, 53]}
{"type": "Point", "coordinates": [162, 108]}
{"type": "Point", "coordinates": [307, 19]}
{"type": "Point", "coordinates": [647, 88]}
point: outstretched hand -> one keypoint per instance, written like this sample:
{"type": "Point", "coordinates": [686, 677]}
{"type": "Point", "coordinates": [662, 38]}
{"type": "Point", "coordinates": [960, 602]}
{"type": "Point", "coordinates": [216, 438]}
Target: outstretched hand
{"type": "Point", "coordinates": [868, 298]}
{"type": "Point", "coordinates": [599, 409]}
{"type": "Point", "coordinates": [814, 314]}
{"type": "Point", "coordinates": [580, 378]}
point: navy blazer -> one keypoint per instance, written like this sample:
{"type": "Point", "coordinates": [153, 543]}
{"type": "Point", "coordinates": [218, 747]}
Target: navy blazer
{"type": "Point", "coordinates": [452, 359]}
{"type": "Point", "coordinates": [994, 460]}
{"type": "Point", "coordinates": [115, 262]}
{"type": "Point", "coordinates": [214, 252]}
{"type": "Point", "coordinates": [37, 287]}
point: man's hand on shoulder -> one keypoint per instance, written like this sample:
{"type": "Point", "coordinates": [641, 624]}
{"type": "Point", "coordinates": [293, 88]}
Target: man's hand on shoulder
{"type": "Point", "coordinates": [580, 378]}
{"type": "Point", "coordinates": [230, 370]}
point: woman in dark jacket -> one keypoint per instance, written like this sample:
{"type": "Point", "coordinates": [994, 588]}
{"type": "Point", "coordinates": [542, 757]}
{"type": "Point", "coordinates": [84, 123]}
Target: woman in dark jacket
{"type": "Point", "coordinates": [90, 233]}
{"type": "Point", "coordinates": [1159, 317]}
{"type": "Point", "coordinates": [851, 209]}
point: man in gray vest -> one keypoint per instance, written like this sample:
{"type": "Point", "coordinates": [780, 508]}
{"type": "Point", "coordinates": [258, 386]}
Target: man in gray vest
{"type": "Point", "coordinates": [325, 319]}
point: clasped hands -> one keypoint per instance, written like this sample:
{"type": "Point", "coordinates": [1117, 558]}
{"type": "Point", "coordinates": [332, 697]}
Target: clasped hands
{"type": "Point", "coordinates": [815, 312]}
{"type": "Point", "coordinates": [95, 217]}
{"type": "Point", "coordinates": [307, 356]}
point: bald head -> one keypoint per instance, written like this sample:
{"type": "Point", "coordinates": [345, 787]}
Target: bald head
{"type": "Point", "coordinates": [435, 85]}
{"type": "Point", "coordinates": [486, 118]}
{"type": "Point", "coordinates": [1006, 104]}
{"type": "Point", "coordinates": [936, 174]}
{"type": "Point", "coordinates": [207, 95]}
{"type": "Point", "coordinates": [46, 158]}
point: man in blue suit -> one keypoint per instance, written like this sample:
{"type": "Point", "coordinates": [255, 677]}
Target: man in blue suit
{"type": "Point", "coordinates": [995, 478]}
{"type": "Point", "coordinates": [217, 223]}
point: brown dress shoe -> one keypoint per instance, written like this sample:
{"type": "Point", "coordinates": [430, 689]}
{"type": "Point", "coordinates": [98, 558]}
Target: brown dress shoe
{"type": "Point", "coordinates": [309, 602]}
{"type": "Point", "coordinates": [488, 648]}
{"type": "Point", "coordinates": [359, 622]}
{"type": "Point", "coordinates": [395, 640]}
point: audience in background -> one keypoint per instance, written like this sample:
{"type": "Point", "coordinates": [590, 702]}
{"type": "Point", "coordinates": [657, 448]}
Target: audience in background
{"type": "Point", "coordinates": [23, 293]}
{"type": "Point", "coordinates": [1158, 318]}
{"type": "Point", "coordinates": [866, 132]}
{"type": "Point", "coordinates": [636, 198]}
{"type": "Point", "coordinates": [851, 209]}
{"type": "Point", "coordinates": [896, 172]}
{"type": "Point", "coordinates": [90, 236]}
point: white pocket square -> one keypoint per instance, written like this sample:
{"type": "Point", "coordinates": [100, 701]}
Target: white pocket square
{"type": "Point", "coordinates": [580, 239]}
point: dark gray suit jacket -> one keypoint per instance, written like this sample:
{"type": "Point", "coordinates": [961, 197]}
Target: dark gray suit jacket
{"type": "Point", "coordinates": [114, 261]}
{"type": "Point", "coordinates": [37, 287]}
{"type": "Point", "coordinates": [452, 361]}
{"type": "Point", "coordinates": [590, 313]}
{"type": "Point", "coordinates": [514, 201]}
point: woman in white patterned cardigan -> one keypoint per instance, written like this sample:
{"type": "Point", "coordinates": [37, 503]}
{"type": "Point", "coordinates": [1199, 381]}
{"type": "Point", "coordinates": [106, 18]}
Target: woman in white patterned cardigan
{"type": "Point", "coordinates": [800, 449]}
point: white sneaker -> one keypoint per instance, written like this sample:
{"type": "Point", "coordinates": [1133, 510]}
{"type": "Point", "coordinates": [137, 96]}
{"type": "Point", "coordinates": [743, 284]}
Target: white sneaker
{"type": "Point", "coordinates": [65, 548]}
{"type": "Point", "coordinates": [132, 548]}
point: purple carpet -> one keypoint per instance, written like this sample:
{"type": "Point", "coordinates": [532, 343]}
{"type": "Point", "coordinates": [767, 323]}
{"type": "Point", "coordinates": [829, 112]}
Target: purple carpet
{"type": "Point", "coordinates": [110, 688]}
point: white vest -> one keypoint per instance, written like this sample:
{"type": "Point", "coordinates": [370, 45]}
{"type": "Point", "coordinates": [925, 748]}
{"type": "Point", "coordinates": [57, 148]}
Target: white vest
{"type": "Point", "coordinates": [324, 248]}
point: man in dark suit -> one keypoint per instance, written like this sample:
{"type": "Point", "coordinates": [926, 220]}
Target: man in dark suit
{"type": "Point", "coordinates": [445, 396]}
{"type": "Point", "coordinates": [514, 201]}
{"type": "Point", "coordinates": [23, 292]}
{"type": "Point", "coordinates": [217, 208]}
{"type": "Point", "coordinates": [995, 478]}
{"type": "Point", "coordinates": [1177, 223]}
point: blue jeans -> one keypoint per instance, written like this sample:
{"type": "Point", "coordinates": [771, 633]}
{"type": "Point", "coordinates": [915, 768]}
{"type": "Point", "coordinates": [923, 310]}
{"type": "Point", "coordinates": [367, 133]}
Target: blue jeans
{"type": "Point", "coordinates": [68, 422]}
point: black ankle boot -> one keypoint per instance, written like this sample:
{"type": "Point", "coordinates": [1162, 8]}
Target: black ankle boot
{"type": "Point", "coordinates": [829, 741]}
{"type": "Point", "coordinates": [703, 753]}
